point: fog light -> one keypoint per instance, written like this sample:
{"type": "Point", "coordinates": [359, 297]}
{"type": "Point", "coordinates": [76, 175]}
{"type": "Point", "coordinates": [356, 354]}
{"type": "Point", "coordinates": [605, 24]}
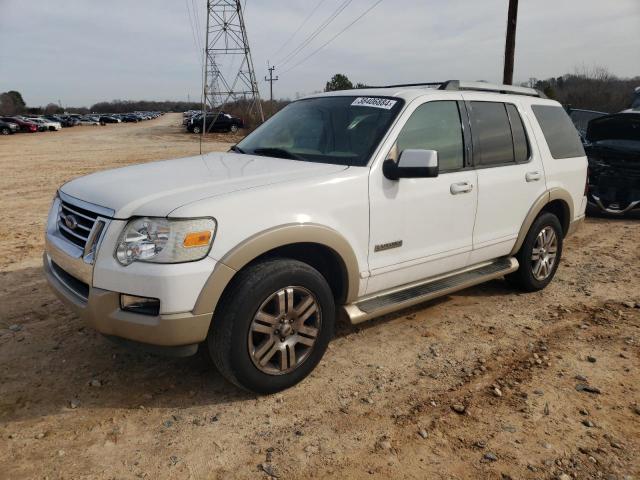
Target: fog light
{"type": "Point", "coordinates": [141, 305]}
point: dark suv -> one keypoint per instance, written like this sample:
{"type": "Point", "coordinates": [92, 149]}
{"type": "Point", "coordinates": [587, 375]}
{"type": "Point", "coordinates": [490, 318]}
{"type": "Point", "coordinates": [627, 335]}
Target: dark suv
{"type": "Point", "coordinates": [223, 123]}
{"type": "Point", "coordinates": [612, 144]}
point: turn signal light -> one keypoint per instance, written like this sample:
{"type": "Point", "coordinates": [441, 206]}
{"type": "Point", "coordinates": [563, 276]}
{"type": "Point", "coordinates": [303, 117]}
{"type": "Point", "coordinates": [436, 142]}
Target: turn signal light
{"type": "Point", "coordinates": [197, 239]}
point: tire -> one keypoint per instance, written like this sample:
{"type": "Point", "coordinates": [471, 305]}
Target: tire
{"type": "Point", "coordinates": [240, 338]}
{"type": "Point", "coordinates": [197, 130]}
{"type": "Point", "coordinates": [5, 131]}
{"type": "Point", "coordinates": [531, 277]}
{"type": "Point", "coordinates": [233, 128]}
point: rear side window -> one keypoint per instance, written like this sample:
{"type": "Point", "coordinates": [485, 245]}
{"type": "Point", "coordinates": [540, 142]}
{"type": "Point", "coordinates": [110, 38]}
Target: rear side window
{"type": "Point", "coordinates": [491, 131]}
{"type": "Point", "coordinates": [559, 132]}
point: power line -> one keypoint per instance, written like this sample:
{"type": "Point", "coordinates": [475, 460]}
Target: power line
{"type": "Point", "coordinates": [334, 37]}
{"type": "Point", "coordinates": [315, 33]}
{"type": "Point", "coordinates": [193, 33]}
{"type": "Point", "coordinates": [196, 19]}
{"type": "Point", "coordinates": [304, 22]}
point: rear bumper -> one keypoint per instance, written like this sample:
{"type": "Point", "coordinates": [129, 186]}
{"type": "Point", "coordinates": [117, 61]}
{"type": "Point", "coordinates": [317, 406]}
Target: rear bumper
{"type": "Point", "coordinates": [101, 310]}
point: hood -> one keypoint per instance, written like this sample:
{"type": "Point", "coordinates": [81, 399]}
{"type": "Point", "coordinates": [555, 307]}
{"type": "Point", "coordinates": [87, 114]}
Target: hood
{"type": "Point", "coordinates": [158, 188]}
{"type": "Point", "coordinates": [618, 126]}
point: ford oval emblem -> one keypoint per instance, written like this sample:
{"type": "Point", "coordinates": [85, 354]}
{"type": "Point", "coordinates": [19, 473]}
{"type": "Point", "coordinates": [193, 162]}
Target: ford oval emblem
{"type": "Point", "coordinates": [71, 222]}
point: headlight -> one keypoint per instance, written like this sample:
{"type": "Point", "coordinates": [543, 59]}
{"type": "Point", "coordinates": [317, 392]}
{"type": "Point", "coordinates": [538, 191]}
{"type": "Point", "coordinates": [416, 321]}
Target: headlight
{"type": "Point", "coordinates": [162, 240]}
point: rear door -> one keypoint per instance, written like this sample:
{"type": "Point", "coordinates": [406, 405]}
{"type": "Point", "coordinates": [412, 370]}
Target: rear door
{"type": "Point", "coordinates": [510, 173]}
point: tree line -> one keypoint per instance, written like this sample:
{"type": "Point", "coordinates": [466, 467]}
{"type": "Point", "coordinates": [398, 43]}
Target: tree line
{"type": "Point", "coordinates": [591, 89]}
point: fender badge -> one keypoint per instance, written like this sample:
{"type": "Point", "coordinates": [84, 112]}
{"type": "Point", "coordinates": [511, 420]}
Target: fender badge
{"type": "Point", "coordinates": [387, 246]}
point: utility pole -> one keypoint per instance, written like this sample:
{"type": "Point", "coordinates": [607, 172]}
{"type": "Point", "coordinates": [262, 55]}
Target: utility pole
{"type": "Point", "coordinates": [226, 37]}
{"type": "Point", "coordinates": [510, 44]}
{"type": "Point", "coordinates": [271, 79]}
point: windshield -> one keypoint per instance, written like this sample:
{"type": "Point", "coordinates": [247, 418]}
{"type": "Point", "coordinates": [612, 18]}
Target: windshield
{"type": "Point", "coordinates": [339, 130]}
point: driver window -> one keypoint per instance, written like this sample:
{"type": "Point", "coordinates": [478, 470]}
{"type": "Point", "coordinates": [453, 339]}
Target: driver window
{"type": "Point", "coordinates": [435, 126]}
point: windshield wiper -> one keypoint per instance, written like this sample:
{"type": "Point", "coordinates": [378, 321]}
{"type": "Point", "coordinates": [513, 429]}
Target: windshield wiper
{"type": "Point", "coordinates": [277, 152]}
{"type": "Point", "coordinates": [236, 148]}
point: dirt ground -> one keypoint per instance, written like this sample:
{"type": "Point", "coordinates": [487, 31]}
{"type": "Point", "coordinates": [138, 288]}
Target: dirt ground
{"type": "Point", "coordinates": [382, 404]}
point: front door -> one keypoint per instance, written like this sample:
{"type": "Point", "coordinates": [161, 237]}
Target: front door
{"type": "Point", "coordinates": [422, 227]}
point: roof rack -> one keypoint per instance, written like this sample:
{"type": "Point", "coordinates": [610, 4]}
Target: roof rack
{"type": "Point", "coordinates": [473, 86]}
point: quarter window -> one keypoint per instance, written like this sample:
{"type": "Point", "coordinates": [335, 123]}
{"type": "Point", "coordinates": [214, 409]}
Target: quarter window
{"type": "Point", "coordinates": [436, 126]}
{"type": "Point", "coordinates": [559, 131]}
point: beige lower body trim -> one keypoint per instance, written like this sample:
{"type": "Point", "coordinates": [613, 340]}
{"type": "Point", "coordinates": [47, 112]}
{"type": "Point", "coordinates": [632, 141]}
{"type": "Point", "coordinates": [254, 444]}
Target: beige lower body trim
{"type": "Point", "coordinates": [575, 225]}
{"type": "Point", "coordinates": [102, 312]}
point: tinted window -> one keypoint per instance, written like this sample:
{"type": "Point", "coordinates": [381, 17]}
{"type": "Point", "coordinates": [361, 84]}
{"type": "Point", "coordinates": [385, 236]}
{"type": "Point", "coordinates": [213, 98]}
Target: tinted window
{"type": "Point", "coordinates": [520, 144]}
{"type": "Point", "coordinates": [559, 132]}
{"type": "Point", "coordinates": [435, 126]}
{"type": "Point", "coordinates": [491, 133]}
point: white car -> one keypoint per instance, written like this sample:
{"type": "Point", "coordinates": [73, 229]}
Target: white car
{"type": "Point", "coordinates": [48, 124]}
{"type": "Point", "coordinates": [354, 203]}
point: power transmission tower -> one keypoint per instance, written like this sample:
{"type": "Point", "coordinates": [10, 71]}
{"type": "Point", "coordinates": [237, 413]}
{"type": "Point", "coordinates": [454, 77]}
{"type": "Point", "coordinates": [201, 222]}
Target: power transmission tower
{"type": "Point", "coordinates": [226, 36]}
{"type": "Point", "coordinates": [510, 42]}
{"type": "Point", "coordinates": [271, 79]}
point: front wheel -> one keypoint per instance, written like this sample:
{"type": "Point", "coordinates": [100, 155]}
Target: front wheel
{"type": "Point", "coordinates": [197, 130]}
{"type": "Point", "coordinates": [539, 255]}
{"type": "Point", "coordinates": [273, 326]}
{"type": "Point", "coordinates": [233, 129]}
{"type": "Point", "coordinates": [5, 131]}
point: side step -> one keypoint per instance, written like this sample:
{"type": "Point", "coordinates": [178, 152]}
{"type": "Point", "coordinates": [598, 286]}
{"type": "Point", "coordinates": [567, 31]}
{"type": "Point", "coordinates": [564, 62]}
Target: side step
{"type": "Point", "coordinates": [412, 294]}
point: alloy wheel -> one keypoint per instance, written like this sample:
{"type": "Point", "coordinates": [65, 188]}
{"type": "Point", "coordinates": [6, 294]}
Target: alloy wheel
{"type": "Point", "coordinates": [544, 253]}
{"type": "Point", "coordinates": [284, 330]}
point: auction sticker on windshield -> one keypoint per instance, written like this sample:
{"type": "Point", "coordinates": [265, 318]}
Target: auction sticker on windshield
{"type": "Point", "coordinates": [374, 102]}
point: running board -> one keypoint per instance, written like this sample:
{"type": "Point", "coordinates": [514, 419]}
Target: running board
{"type": "Point", "coordinates": [412, 294]}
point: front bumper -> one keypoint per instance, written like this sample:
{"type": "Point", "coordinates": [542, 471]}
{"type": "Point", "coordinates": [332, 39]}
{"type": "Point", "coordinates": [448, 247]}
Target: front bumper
{"type": "Point", "coordinates": [101, 310]}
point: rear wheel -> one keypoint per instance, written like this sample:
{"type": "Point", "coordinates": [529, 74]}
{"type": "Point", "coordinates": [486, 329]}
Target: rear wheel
{"type": "Point", "coordinates": [273, 325]}
{"type": "Point", "coordinates": [539, 255]}
{"type": "Point", "coordinates": [233, 129]}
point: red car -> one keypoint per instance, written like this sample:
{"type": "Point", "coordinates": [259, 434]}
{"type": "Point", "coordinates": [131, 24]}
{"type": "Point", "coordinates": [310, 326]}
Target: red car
{"type": "Point", "coordinates": [24, 125]}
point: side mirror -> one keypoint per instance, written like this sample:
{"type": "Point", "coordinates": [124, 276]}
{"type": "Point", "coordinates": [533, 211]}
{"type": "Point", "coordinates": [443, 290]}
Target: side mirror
{"type": "Point", "coordinates": [412, 164]}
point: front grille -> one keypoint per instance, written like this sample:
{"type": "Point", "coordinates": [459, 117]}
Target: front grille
{"type": "Point", "coordinates": [72, 283]}
{"type": "Point", "coordinates": [75, 223]}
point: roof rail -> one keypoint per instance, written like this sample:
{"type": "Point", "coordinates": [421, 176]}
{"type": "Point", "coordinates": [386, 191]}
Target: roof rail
{"type": "Point", "coordinates": [474, 86]}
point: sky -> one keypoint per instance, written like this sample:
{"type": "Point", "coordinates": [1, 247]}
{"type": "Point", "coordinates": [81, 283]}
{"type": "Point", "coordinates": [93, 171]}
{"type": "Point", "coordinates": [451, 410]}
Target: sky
{"type": "Point", "coordinates": [80, 52]}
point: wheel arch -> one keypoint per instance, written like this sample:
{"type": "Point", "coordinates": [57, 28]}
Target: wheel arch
{"type": "Point", "coordinates": [557, 201]}
{"type": "Point", "coordinates": [319, 246]}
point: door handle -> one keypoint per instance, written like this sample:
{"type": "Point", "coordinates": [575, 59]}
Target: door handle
{"type": "Point", "coordinates": [532, 176]}
{"type": "Point", "coordinates": [462, 187]}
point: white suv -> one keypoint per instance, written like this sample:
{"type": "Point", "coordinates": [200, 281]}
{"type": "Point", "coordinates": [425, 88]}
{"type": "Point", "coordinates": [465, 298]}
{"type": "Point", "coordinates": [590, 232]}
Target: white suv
{"type": "Point", "coordinates": [353, 203]}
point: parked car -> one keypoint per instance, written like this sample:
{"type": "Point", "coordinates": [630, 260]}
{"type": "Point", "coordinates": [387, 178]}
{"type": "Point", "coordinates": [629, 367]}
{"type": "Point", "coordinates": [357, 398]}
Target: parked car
{"type": "Point", "coordinates": [86, 120]}
{"type": "Point", "coordinates": [223, 122]}
{"type": "Point", "coordinates": [64, 121]}
{"type": "Point", "coordinates": [130, 119]}
{"type": "Point", "coordinates": [7, 128]}
{"type": "Point", "coordinates": [613, 149]}
{"type": "Point", "coordinates": [104, 119]}
{"type": "Point", "coordinates": [46, 124]}
{"type": "Point", "coordinates": [25, 126]}
{"type": "Point", "coordinates": [357, 203]}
